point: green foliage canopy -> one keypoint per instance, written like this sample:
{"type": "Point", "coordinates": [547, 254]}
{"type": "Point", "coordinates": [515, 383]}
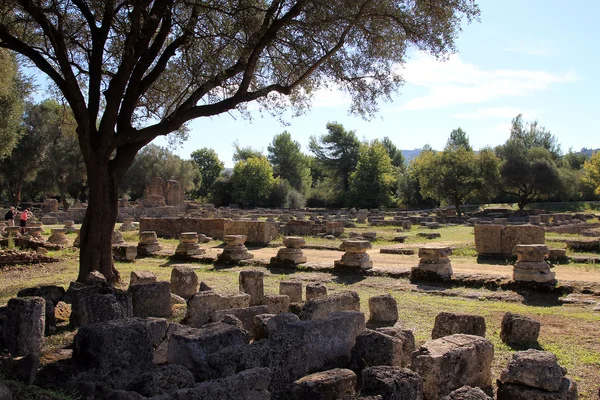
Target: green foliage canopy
{"type": "Point", "coordinates": [288, 162]}
{"type": "Point", "coordinates": [253, 182]}
{"type": "Point", "coordinates": [373, 182]}
{"type": "Point", "coordinates": [209, 166]}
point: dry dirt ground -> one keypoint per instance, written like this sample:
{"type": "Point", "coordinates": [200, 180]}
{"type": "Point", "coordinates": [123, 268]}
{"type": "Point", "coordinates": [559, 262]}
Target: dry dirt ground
{"type": "Point", "coordinates": [570, 272]}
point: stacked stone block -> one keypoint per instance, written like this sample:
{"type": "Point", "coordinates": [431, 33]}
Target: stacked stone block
{"type": "Point", "coordinates": [188, 245]}
{"type": "Point", "coordinates": [292, 253]}
{"type": "Point", "coordinates": [148, 244]}
{"type": "Point", "coordinates": [235, 250]}
{"type": "Point", "coordinates": [531, 265]}
{"type": "Point", "coordinates": [434, 264]}
{"type": "Point", "coordinates": [355, 256]}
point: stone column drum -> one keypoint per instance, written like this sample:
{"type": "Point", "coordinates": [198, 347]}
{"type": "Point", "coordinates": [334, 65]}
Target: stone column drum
{"type": "Point", "coordinates": [235, 250]}
{"type": "Point", "coordinates": [188, 245]}
{"type": "Point", "coordinates": [58, 237]}
{"type": "Point", "coordinates": [356, 256]}
{"type": "Point", "coordinates": [434, 264]}
{"type": "Point", "coordinates": [531, 265]}
{"type": "Point", "coordinates": [292, 253]}
{"type": "Point", "coordinates": [251, 282]}
{"type": "Point", "coordinates": [148, 243]}
{"type": "Point", "coordinates": [70, 226]}
{"type": "Point", "coordinates": [127, 225]}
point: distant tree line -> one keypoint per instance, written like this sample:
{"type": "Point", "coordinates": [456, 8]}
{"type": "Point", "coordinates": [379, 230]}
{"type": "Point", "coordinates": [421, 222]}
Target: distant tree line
{"type": "Point", "coordinates": [40, 157]}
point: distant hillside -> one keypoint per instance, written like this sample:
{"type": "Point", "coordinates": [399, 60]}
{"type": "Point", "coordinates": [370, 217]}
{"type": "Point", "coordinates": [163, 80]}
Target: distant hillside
{"type": "Point", "coordinates": [588, 152]}
{"type": "Point", "coordinates": [410, 154]}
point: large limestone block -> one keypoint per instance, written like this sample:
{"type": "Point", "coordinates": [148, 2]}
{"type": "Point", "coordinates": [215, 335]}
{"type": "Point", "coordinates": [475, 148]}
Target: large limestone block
{"type": "Point", "coordinates": [534, 368]}
{"type": "Point", "coordinates": [24, 325]}
{"type": "Point", "coordinates": [521, 234]}
{"type": "Point", "coordinates": [97, 308]}
{"type": "Point", "coordinates": [408, 341]}
{"type": "Point", "coordinates": [301, 347]}
{"type": "Point", "coordinates": [509, 391]}
{"type": "Point", "coordinates": [333, 384]}
{"type": "Point", "coordinates": [391, 383]}
{"type": "Point", "coordinates": [291, 289]}
{"type": "Point", "coordinates": [454, 361]}
{"type": "Point", "coordinates": [375, 348]}
{"type": "Point", "coordinates": [245, 315]}
{"type": "Point", "coordinates": [383, 310]}
{"type": "Point", "coordinates": [116, 351]}
{"type": "Point", "coordinates": [251, 282]}
{"type": "Point", "coordinates": [184, 281]}
{"type": "Point", "coordinates": [190, 346]}
{"type": "Point", "coordinates": [151, 299]}
{"type": "Point", "coordinates": [315, 290]}
{"type": "Point", "coordinates": [447, 324]}
{"type": "Point", "coordinates": [202, 305]}
{"type": "Point", "coordinates": [488, 239]}
{"type": "Point", "coordinates": [141, 277]}
{"type": "Point", "coordinates": [251, 384]}
{"type": "Point", "coordinates": [519, 330]}
{"type": "Point", "coordinates": [321, 307]}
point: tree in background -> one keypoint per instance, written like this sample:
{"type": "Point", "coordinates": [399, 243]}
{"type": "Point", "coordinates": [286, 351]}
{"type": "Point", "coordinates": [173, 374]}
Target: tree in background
{"type": "Point", "coordinates": [210, 168]}
{"type": "Point", "coordinates": [159, 161]}
{"type": "Point", "coordinates": [288, 162]}
{"type": "Point", "coordinates": [458, 138]}
{"type": "Point", "coordinates": [592, 172]}
{"type": "Point", "coordinates": [253, 182]}
{"type": "Point", "coordinates": [337, 151]}
{"type": "Point", "coordinates": [221, 191]}
{"type": "Point", "coordinates": [14, 89]}
{"type": "Point", "coordinates": [244, 153]}
{"type": "Point", "coordinates": [530, 174]}
{"type": "Point", "coordinates": [532, 134]}
{"type": "Point", "coordinates": [395, 154]}
{"type": "Point", "coordinates": [373, 182]}
{"type": "Point", "coordinates": [41, 127]}
{"type": "Point", "coordinates": [456, 174]}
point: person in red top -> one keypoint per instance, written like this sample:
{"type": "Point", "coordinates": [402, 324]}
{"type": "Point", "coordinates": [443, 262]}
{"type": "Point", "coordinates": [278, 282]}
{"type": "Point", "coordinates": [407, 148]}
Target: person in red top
{"type": "Point", "coordinates": [26, 214]}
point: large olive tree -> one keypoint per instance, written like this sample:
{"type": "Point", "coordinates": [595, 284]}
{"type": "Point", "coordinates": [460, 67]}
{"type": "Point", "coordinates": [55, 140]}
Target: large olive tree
{"type": "Point", "coordinates": [132, 70]}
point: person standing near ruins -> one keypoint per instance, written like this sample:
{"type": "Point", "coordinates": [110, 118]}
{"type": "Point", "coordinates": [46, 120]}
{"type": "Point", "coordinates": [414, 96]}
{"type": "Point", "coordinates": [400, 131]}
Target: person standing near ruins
{"type": "Point", "coordinates": [25, 215]}
{"type": "Point", "coordinates": [9, 217]}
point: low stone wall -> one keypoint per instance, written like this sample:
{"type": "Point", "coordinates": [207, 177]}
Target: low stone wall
{"type": "Point", "coordinates": [172, 227]}
{"type": "Point", "coordinates": [257, 232]}
{"type": "Point", "coordinates": [500, 240]}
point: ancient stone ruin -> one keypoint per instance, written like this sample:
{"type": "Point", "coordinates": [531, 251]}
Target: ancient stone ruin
{"type": "Point", "coordinates": [355, 256]}
{"type": "Point", "coordinates": [160, 193]}
{"type": "Point", "coordinates": [291, 254]}
{"type": "Point", "coordinates": [532, 266]}
{"type": "Point", "coordinates": [248, 345]}
{"type": "Point", "coordinates": [234, 250]}
{"type": "Point", "coordinates": [500, 240]}
{"type": "Point", "coordinates": [434, 264]}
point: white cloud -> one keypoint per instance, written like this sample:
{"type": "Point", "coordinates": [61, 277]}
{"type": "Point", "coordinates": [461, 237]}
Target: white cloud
{"type": "Point", "coordinates": [330, 97]}
{"type": "Point", "coordinates": [455, 82]}
{"type": "Point", "coordinates": [499, 113]}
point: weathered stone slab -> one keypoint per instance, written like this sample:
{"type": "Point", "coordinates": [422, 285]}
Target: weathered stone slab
{"type": "Point", "coordinates": [291, 289]}
{"type": "Point", "coordinates": [190, 346]}
{"type": "Point", "coordinates": [151, 299]}
{"type": "Point", "coordinates": [393, 383]}
{"type": "Point", "coordinates": [202, 306]}
{"type": "Point", "coordinates": [451, 362]}
{"type": "Point", "coordinates": [321, 307]}
{"type": "Point", "coordinates": [333, 384]}
{"type": "Point", "coordinates": [383, 310]}
{"type": "Point", "coordinates": [245, 315]}
{"type": "Point", "coordinates": [24, 325]}
{"type": "Point", "coordinates": [447, 324]}
{"type": "Point", "coordinates": [141, 277]}
{"type": "Point", "coordinates": [375, 348]}
{"type": "Point", "coordinates": [184, 281]}
{"type": "Point", "coordinates": [519, 330]}
{"type": "Point", "coordinates": [251, 282]}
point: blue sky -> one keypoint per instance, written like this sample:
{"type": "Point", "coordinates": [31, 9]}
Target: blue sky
{"type": "Point", "coordinates": [536, 57]}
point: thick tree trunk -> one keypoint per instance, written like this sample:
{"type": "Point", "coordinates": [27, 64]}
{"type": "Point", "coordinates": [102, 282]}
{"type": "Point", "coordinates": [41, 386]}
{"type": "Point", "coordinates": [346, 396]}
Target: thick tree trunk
{"type": "Point", "coordinates": [98, 224]}
{"type": "Point", "coordinates": [457, 205]}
